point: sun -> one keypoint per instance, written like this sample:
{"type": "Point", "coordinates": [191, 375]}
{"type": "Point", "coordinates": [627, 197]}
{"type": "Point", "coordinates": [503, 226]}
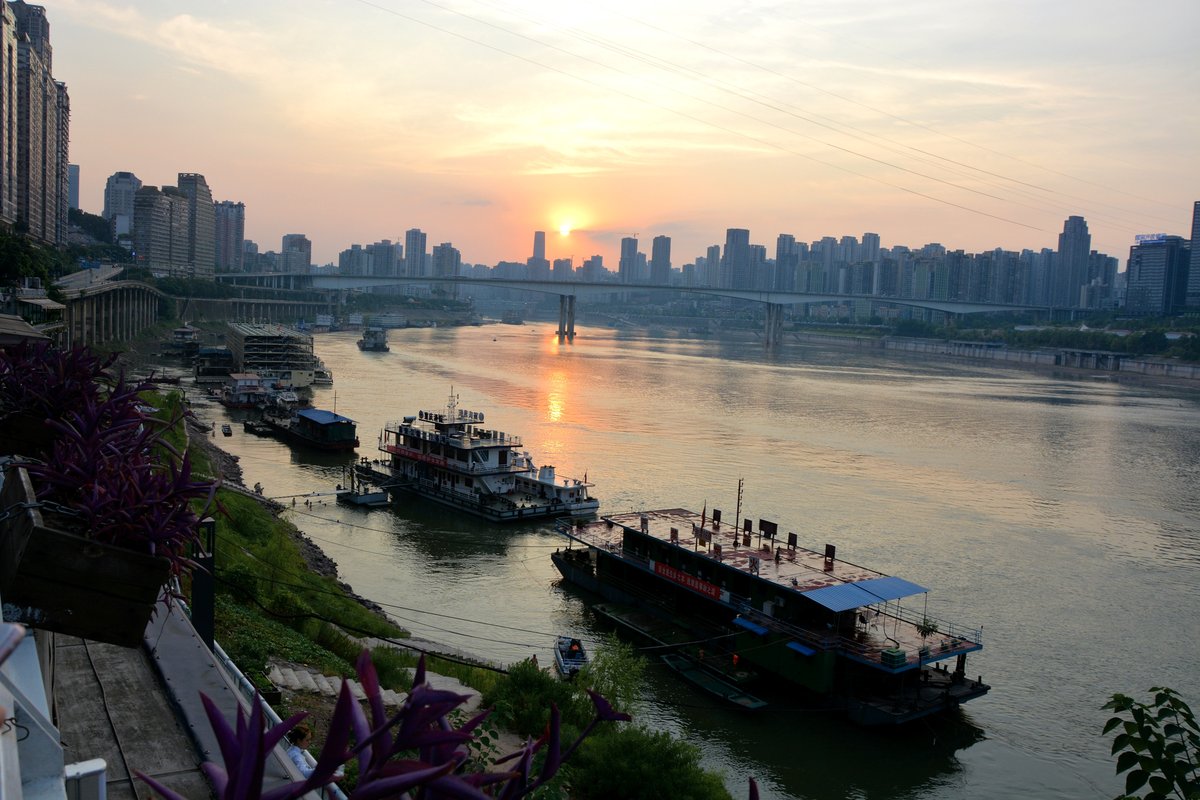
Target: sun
{"type": "Point", "coordinates": [564, 229]}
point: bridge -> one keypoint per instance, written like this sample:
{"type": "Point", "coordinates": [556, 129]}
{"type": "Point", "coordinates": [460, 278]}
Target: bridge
{"type": "Point", "coordinates": [569, 291]}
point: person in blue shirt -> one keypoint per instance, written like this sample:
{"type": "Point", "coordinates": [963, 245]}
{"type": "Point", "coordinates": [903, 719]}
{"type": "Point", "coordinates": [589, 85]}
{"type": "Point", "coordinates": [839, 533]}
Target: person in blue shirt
{"type": "Point", "coordinates": [300, 737]}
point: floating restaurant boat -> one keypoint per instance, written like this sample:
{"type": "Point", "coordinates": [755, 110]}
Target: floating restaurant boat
{"type": "Point", "coordinates": [569, 656]}
{"type": "Point", "coordinates": [374, 340]}
{"type": "Point", "coordinates": [797, 618]}
{"type": "Point", "coordinates": [314, 427]}
{"type": "Point", "coordinates": [450, 457]}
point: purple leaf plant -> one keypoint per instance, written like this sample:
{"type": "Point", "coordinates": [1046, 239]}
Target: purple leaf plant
{"type": "Point", "coordinates": [416, 752]}
{"type": "Point", "coordinates": [108, 468]}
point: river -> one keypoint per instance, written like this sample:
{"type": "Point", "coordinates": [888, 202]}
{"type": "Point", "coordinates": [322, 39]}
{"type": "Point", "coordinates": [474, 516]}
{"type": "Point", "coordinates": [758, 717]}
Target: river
{"type": "Point", "coordinates": [1057, 512]}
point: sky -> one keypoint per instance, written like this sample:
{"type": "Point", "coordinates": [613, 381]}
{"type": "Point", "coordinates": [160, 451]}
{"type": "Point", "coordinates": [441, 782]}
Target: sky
{"type": "Point", "coordinates": [976, 124]}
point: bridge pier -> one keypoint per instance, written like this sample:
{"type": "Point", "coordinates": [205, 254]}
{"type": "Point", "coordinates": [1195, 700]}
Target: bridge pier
{"type": "Point", "coordinates": [566, 317]}
{"type": "Point", "coordinates": [774, 325]}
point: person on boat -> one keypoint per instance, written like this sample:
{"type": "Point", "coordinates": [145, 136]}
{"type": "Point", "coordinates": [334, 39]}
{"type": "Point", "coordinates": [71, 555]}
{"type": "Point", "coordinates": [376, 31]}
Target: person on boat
{"type": "Point", "coordinates": [575, 647]}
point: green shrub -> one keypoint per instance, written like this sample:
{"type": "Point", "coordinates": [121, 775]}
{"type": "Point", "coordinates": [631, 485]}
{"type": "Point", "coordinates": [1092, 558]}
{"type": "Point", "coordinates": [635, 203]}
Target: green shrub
{"type": "Point", "coordinates": [636, 763]}
{"type": "Point", "coordinates": [522, 700]}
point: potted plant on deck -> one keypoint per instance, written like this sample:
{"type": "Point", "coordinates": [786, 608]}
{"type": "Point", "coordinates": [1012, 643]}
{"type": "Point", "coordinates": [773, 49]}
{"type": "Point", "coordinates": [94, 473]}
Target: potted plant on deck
{"type": "Point", "coordinates": [91, 532]}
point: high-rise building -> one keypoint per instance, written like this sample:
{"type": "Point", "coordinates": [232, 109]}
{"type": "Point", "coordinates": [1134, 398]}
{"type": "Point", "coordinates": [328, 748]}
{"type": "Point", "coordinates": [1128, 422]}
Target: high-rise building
{"type": "Point", "coordinates": [660, 260]}
{"type": "Point", "coordinates": [162, 221]}
{"type": "Point", "coordinates": [870, 248]}
{"type": "Point", "coordinates": [37, 125]}
{"type": "Point", "coordinates": [711, 275]}
{"type": "Point", "coordinates": [1071, 266]}
{"type": "Point", "coordinates": [539, 244]}
{"type": "Point", "coordinates": [230, 221]}
{"type": "Point", "coordinates": [383, 258]}
{"type": "Point", "coordinates": [628, 265]}
{"type": "Point", "coordinates": [119, 192]}
{"type": "Point", "coordinates": [42, 129]}
{"type": "Point", "coordinates": [447, 262]}
{"type": "Point", "coordinates": [414, 253]}
{"type": "Point", "coordinates": [8, 115]}
{"type": "Point", "coordinates": [295, 252]}
{"type": "Point", "coordinates": [151, 228]}
{"type": "Point", "coordinates": [73, 186]}
{"type": "Point", "coordinates": [787, 262]}
{"type": "Point", "coordinates": [1157, 275]}
{"type": "Point", "coordinates": [592, 269]}
{"type": "Point", "coordinates": [735, 262]}
{"type": "Point", "coordinates": [354, 261]}
{"type": "Point", "coordinates": [202, 230]}
{"type": "Point", "coordinates": [1193, 286]}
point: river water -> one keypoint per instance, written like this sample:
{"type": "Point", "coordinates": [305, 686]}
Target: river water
{"type": "Point", "coordinates": [1057, 512]}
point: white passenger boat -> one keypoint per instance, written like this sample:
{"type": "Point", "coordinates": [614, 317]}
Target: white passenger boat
{"type": "Point", "coordinates": [450, 456]}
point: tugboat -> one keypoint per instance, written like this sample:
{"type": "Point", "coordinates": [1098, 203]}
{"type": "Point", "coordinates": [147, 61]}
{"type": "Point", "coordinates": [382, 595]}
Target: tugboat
{"type": "Point", "coordinates": [374, 340]}
{"type": "Point", "coordinates": [800, 621]}
{"type": "Point", "coordinates": [450, 457]}
{"type": "Point", "coordinates": [570, 656]}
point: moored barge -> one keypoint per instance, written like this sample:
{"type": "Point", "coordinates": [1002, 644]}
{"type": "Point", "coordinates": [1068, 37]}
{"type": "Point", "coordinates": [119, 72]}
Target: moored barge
{"type": "Point", "coordinates": [449, 456]}
{"type": "Point", "coordinates": [314, 427]}
{"type": "Point", "coordinates": [795, 617]}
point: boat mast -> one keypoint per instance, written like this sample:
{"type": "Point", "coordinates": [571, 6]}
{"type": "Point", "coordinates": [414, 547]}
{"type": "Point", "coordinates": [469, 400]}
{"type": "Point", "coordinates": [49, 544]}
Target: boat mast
{"type": "Point", "coordinates": [737, 515]}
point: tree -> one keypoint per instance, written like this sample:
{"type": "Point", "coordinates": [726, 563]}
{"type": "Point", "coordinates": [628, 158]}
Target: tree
{"type": "Point", "coordinates": [635, 763]}
{"type": "Point", "coordinates": [1159, 746]}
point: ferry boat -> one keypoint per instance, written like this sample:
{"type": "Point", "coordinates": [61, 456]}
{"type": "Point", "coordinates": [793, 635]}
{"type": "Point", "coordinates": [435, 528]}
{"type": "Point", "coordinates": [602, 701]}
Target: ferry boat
{"type": "Point", "coordinates": [805, 622]}
{"type": "Point", "coordinates": [374, 340]}
{"type": "Point", "coordinates": [450, 457]}
{"type": "Point", "coordinates": [314, 427]}
{"type": "Point", "coordinates": [321, 374]}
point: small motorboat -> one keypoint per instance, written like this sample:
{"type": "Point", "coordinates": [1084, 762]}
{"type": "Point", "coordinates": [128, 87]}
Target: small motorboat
{"type": "Point", "coordinates": [227, 430]}
{"type": "Point", "coordinates": [570, 656]}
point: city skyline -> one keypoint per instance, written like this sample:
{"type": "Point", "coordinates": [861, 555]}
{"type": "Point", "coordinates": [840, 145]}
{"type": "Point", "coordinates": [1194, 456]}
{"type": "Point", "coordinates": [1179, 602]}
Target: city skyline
{"type": "Point", "coordinates": [479, 126]}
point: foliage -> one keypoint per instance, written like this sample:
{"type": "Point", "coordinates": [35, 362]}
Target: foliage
{"type": "Point", "coordinates": [616, 671]}
{"type": "Point", "coordinates": [93, 225]}
{"type": "Point", "coordinates": [108, 464]}
{"type": "Point", "coordinates": [250, 639]}
{"type": "Point", "coordinates": [523, 698]}
{"type": "Point", "coordinates": [926, 628]}
{"type": "Point", "coordinates": [633, 762]}
{"type": "Point", "coordinates": [1159, 745]}
{"type": "Point", "coordinates": [22, 258]}
{"type": "Point", "coordinates": [417, 750]}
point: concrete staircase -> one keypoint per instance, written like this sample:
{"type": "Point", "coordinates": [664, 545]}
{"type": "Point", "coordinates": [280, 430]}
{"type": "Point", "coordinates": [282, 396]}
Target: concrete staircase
{"type": "Point", "coordinates": [299, 678]}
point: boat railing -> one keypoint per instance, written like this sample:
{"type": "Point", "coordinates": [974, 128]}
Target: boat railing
{"type": "Point", "coordinates": [944, 627]}
{"type": "Point", "coordinates": [786, 628]}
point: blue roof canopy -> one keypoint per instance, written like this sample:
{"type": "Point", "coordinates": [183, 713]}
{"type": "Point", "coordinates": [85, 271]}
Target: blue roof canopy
{"type": "Point", "coordinates": [802, 649]}
{"type": "Point", "coordinates": [750, 626]}
{"type": "Point", "coordinates": [890, 588]}
{"type": "Point", "coordinates": [842, 597]}
{"type": "Point", "coordinates": [846, 596]}
{"type": "Point", "coordinates": [322, 417]}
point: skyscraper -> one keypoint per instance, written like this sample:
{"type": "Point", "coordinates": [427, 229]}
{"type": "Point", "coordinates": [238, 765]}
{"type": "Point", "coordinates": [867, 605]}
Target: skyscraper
{"type": "Point", "coordinates": [787, 262]}
{"type": "Point", "coordinates": [1071, 266]}
{"type": "Point", "coordinates": [230, 221]}
{"type": "Point", "coordinates": [735, 263]}
{"type": "Point", "coordinates": [119, 192]}
{"type": "Point", "coordinates": [42, 127]}
{"type": "Point", "coordinates": [660, 260]}
{"type": "Point", "coordinates": [202, 230]}
{"type": "Point", "coordinates": [73, 186]}
{"type": "Point", "coordinates": [712, 266]}
{"type": "Point", "coordinates": [295, 252]}
{"type": "Point", "coordinates": [1193, 287]}
{"type": "Point", "coordinates": [539, 244]}
{"type": "Point", "coordinates": [1157, 275]}
{"type": "Point", "coordinates": [414, 253]}
{"type": "Point", "coordinates": [8, 115]}
{"type": "Point", "coordinates": [627, 266]}
{"type": "Point", "coordinates": [447, 262]}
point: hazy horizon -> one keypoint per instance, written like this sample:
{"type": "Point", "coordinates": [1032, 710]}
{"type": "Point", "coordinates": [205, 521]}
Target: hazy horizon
{"type": "Point", "coordinates": [976, 126]}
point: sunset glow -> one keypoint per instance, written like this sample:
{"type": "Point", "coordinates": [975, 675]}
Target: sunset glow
{"type": "Point", "coordinates": [814, 120]}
